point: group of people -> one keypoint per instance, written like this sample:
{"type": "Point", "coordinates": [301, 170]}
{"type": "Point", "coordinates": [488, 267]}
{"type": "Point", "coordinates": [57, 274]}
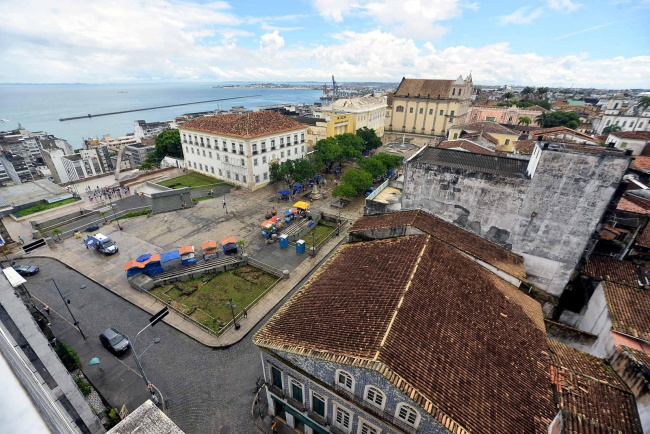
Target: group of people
{"type": "Point", "coordinates": [107, 192]}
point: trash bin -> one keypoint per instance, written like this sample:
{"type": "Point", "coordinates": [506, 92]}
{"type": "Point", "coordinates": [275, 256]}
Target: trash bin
{"type": "Point", "coordinates": [284, 241]}
{"type": "Point", "coordinates": [300, 246]}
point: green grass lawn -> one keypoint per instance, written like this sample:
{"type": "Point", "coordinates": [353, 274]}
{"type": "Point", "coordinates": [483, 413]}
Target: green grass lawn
{"type": "Point", "coordinates": [199, 199]}
{"type": "Point", "coordinates": [132, 214]}
{"type": "Point", "coordinates": [42, 206]}
{"type": "Point", "coordinates": [321, 231]}
{"type": "Point", "coordinates": [191, 179]}
{"type": "Point", "coordinates": [204, 299]}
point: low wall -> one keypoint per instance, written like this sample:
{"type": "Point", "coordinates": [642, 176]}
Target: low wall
{"type": "Point", "coordinates": [189, 275]}
{"type": "Point", "coordinates": [62, 220]}
{"type": "Point", "coordinates": [144, 176]}
{"type": "Point", "coordinates": [165, 201]}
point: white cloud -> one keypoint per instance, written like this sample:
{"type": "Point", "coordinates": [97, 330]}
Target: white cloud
{"type": "Point", "coordinates": [520, 16]}
{"type": "Point", "coordinates": [271, 41]}
{"type": "Point", "coordinates": [417, 19]}
{"type": "Point", "coordinates": [563, 5]}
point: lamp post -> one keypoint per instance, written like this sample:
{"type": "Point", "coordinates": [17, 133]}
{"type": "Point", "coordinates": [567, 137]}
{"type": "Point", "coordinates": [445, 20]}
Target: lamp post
{"type": "Point", "coordinates": [232, 310]}
{"type": "Point", "coordinates": [66, 301]}
{"type": "Point", "coordinates": [152, 321]}
{"type": "Point", "coordinates": [114, 216]}
{"type": "Point", "coordinates": [224, 203]}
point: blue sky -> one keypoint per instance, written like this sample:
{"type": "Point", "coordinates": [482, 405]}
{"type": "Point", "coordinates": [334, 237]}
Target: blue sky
{"type": "Point", "coordinates": [602, 43]}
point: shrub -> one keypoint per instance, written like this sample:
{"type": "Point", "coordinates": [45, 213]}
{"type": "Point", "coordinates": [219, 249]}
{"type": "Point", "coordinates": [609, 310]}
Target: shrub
{"type": "Point", "coordinates": [112, 417]}
{"type": "Point", "coordinates": [68, 356]}
{"type": "Point", "coordinates": [83, 385]}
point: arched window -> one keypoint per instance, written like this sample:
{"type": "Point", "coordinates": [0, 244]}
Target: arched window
{"type": "Point", "coordinates": [375, 396]}
{"type": "Point", "coordinates": [400, 109]}
{"type": "Point", "coordinates": [475, 116]}
{"type": "Point", "coordinates": [453, 91]}
{"type": "Point", "coordinates": [459, 91]}
{"type": "Point", "coordinates": [407, 414]}
{"type": "Point", "coordinates": [345, 380]}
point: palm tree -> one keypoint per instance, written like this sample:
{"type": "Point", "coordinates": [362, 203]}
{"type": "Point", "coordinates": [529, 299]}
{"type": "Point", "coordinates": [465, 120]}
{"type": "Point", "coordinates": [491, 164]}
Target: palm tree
{"type": "Point", "coordinates": [525, 120]}
{"type": "Point", "coordinates": [528, 91]}
{"type": "Point", "coordinates": [103, 214]}
{"type": "Point", "coordinates": [643, 103]}
{"type": "Point", "coordinates": [542, 91]}
{"type": "Point", "coordinates": [611, 129]}
{"type": "Point", "coordinates": [541, 119]}
{"type": "Point", "coordinates": [508, 95]}
{"type": "Point", "coordinates": [241, 244]}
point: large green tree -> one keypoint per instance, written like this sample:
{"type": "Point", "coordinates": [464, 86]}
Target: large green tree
{"type": "Point", "coordinates": [167, 143]}
{"type": "Point", "coordinates": [611, 129]}
{"type": "Point", "coordinates": [326, 153]}
{"type": "Point", "coordinates": [360, 180]}
{"type": "Point", "coordinates": [351, 146]}
{"type": "Point", "coordinates": [558, 119]}
{"type": "Point", "coordinates": [390, 161]}
{"type": "Point", "coordinates": [524, 120]}
{"type": "Point", "coordinates": [369, 137]}
{"type": "Point", "coordinates": [373, 165]}
{"type": "Point", "coordinates": [644, 103]}
{"type": "Point", "coordinates": [542, 91]}
{"type": "Point", "coordinates": [292, 171]}
{"type": "Point", "coordinates": [527, 91]}
{"type": "Point", "coordinates": [344, 190]}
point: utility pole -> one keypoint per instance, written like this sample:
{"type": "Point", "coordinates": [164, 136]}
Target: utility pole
{"type": "Point", "coordinates": [65, 301]}
{"type": "Point", "coordinates": [114, 216]}
{"type": "Point", "coordinates": [152, 321]}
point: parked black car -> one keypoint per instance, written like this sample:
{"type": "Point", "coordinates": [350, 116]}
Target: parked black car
{"type": "Point", "coordinates": [26, 270]}
{"type": "Point", "coordinates": [114, 341]}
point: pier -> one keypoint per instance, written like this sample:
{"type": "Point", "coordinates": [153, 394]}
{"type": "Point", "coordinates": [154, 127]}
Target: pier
{"type": "Point", "coordinates": [152, 108]}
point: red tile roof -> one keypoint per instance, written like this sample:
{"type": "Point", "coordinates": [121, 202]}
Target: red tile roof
{"type": "Point", "coordinates": [628, 309]}
{"type": "Point", "coordinates": [415, 87]}
{"type": "Point", "coordinates": [465, 345]}
{"type": "Point", "coordinates": [245, 126]}
{"type": "Point", "coordinates": [484, 135]}
{"type": "Point", "coordinates": [643, 239]}
{"type": "Point", "coordinates": [633, 135]}
{"type": "Point", "coordinates": [466, 145]}
{"type": "Point", "coordinates": [612, 270]}
{"type": "Point", "coordinates": [633, 204]}
{"type": "Point", "coordinates": [527, 146]}
{"type": "Point", "coordinates": [485, 127]}
{"type": "Point", "coordinates": [640, 163]}
{"type": "Point", "coordinates": [564, 130]}
{"type": "Point", "coordinates": [457, 237]}
{"type": "Point", "coordinates": [590, 394]}
{"type": "Point", "coordinates": [640, 357]}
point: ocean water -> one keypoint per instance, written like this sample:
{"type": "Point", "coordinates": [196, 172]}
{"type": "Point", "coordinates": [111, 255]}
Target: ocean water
{"type": "Point", "coordinates": [39, 107]}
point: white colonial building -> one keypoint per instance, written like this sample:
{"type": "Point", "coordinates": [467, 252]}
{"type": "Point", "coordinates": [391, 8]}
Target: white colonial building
{"type": "Point", "coordinates": [624, 114]}
{"type": "Point", "coordinates": [238, 148]}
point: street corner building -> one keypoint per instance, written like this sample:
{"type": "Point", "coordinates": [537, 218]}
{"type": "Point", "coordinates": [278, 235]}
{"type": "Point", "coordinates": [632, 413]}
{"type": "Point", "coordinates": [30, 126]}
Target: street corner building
{"type": "Point", "coordinates": [238, 148]}
{"type": "Point", "coordinates": [418, 326]}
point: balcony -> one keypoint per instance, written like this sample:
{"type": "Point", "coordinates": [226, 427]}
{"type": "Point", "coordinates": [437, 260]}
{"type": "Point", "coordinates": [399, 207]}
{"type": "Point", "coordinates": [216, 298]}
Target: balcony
{"type": "Point", "coordinates": [295, 142]}
{"type": "Point", "coordinates": [272, 148]}
{"type": "Point", "coordinates": [317, 418]}
{"type": "Point", "coordinates": [335, 430]}
{"type": "Point", "coordinates": [241, 152]}
{"type": "Point", "coordinates": [254, 152]}
{"type": "Point", "coordinates": [296, 404]}
{"type": "Point", "coordinates": [276, 391]}
{"type": "Point", "coordinates": [375, 411]}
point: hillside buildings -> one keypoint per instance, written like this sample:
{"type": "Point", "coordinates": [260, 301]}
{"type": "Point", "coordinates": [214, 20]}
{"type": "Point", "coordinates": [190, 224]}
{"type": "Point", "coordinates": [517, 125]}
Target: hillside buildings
{"type": "Point", "coordinates": [624, 114]}
{"type": "Point", "coordinates": [72, 167]}
{"type": "Point", "coordinates": [429, 107]}
{"type": "Point", "coordinates": [238, 148]}
{"type": "Point", "coordinates": [149, 130]}
{"type": "Point", "coordinates": [505, 115]}
{"type": "Point", "coordinates": [636, 141]}
{"type": "Point", "coordinates": [504, 137]}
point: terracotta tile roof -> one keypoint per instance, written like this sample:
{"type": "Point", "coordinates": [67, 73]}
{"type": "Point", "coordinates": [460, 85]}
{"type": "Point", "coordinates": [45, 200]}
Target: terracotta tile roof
{"type": "Point", "coordinates": [640, 163]}
{"type": "Point", "coordinates": [590, 395]}
{"type": "Point", "coordinates": [612, 270]}
{"type": "Point", "coordinates": [633, 204]}
{"type": "Point", "coordinates": [412, 87]}
{"type": "Point", "coordinates": [634, 135]}
{"type": "Point", "coordinates": [528, 145]}
{"type": "Point", "coordinates": [245, 126]}
{"type": "Point", "coordinates": [455, 236]}
{"type": "Point", "coordinates": [565, 130]}
{"type": "Point", "coordinates": [477, 135]}
{"type": "Point", "coordinates": [477, 360]}
{"type": "Point", "coordinates": [494, 164]}
{"type": "Point", "coordinates": [640, 357]}
{"type": "Point", "coordinates": [628, 309]}
{"type": "Point", "coordinates": [466, 145]}
{"type": "Point", "coordinates": [643, 239]}
{"type": "Point", "coordinates": [485, 127]}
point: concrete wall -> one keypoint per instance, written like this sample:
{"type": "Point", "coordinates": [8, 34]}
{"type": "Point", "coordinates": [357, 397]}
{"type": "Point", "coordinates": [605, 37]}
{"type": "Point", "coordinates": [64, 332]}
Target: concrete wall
{"type": "Point", "coordinates": [165, 201]}
{"type": "Point", "coordinates": [319, 375]}
{"type": "Point", "coordinates": [548, 219]}
{"type": "Point", "coordinates": [596, 320]}
{"type": "Point", "coordinates": [637, 381]}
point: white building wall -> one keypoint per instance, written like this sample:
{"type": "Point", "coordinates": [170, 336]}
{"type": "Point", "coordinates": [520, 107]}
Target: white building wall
{"type": "Point", "coordinates": [248, 165]}
{"type": "Point", "coordinates": [596, 320]}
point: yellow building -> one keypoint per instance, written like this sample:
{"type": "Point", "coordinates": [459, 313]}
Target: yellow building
{"type": "Point", "coordinates": [429, 107]}
{"type": "Point", "coordinates": [347, 115]}
{"type": "Point", "coordinates": [504, 136]}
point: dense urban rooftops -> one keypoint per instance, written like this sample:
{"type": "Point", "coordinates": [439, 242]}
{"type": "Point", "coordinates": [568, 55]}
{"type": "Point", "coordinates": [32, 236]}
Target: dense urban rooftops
{"type": "Point", "coordinates": [464, 344]}
{"type": "Point", "coordinates": [496, 165]}
{"type": "Point", "coordinates": [465, 145]}
{"type": "Point", "coordinates": [246, 125]}
{"type": "Point", "coordinates": [485, 127]}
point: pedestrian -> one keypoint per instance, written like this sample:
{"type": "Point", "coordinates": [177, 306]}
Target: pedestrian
{"type": "Point", "coordinates": [21, 240]}
{"type": "Point", "coordinates": [224, 203]}
{"type": "Point", "coordinates": [274, 426]}
{"type": "Point", "coordinates": [183, 205]}
{"type": "Point", "coordinates": [245, 313]}
{"type": "Point", "coordinates": [46, 308]}
{"type": "Point", "coordinates": [165, 218]}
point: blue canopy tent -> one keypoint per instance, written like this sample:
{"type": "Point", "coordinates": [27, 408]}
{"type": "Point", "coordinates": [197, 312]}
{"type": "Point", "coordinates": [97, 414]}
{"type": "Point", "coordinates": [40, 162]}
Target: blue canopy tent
{"type": "Point", "coordinates": [169, 256]}
{"type": "Point", "coordinates": [91, 241]}
{"type": "Point", "coordinates": [284, 194]}
{"type": "Point", "coordinates": [143, 258]}
{"type": "Point", "coordinates": [153, 265]}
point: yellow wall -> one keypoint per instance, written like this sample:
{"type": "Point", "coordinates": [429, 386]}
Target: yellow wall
{"type": "Point", "coordinates": [423, 116]}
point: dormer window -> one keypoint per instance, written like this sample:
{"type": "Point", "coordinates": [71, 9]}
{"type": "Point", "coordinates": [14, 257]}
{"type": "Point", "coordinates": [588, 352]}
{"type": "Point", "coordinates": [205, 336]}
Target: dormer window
{"type": "Point", "coordinates": [408, 415]}
{"type": "Point", "coordinates": [345, 380]}
{"type": "Point", "coordinates": [375, 396]}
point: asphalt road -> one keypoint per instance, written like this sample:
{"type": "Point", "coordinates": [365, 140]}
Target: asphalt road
{"type": "Point", "coordinates": [205, 390]}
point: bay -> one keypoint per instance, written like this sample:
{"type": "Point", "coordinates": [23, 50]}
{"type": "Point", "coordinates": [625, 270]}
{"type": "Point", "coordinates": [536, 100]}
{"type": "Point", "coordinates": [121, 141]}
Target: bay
{"type": "Point", "coordinates": [39, 107]}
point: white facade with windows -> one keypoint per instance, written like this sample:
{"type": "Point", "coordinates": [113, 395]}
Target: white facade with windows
{"type": "Point", "coordinates": [240, 161]}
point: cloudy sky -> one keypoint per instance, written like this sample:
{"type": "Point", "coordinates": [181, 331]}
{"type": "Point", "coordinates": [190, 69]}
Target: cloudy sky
{"type": "Point", "coordinates": [584, 43]}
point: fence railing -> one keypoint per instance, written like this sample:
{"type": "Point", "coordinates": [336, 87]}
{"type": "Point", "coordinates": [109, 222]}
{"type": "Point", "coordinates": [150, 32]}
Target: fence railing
{"type": "Point", "coordinates": [378, 190]}
{"type": "Point", "coordinates": [334, 233]}
{"type": "Point", "coordinates": [268, 268]}
{"type": "Point", "coordinates": [101, 221]}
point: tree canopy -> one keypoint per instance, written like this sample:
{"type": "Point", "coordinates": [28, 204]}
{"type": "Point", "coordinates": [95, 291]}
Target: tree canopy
{"type": "Point", "coordinates": [644, 103]}
{"type": "Point", "coordinates": [558, 119]}
{"type": "Point", "coordinates": [611, 129]}
{"type": "Point", "coordinates": [524, 120]}
{"type": "Point", "coordinates": [168, 143]}
{"type": "Point", "coordinates": [369, 137]}
{"type": "Point", "coordinates": [292, 171]}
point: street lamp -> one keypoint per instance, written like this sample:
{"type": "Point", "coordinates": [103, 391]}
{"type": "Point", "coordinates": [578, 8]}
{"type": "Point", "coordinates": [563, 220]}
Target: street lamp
{"type": "Point", "coordinates": [114, 216]}
{"type": "Point", "coordinates": [232, 310]}
{"type": "Point", "coordinates": [66, 301]}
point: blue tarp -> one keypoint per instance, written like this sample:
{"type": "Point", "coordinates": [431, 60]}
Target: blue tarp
{"type": "Point", "coordinates": [296, 187]}
{"type": "Point", "coordinates": [283, 192]}
{"type": "Point", "coordinates": [91, 241]}
{"type": "Point", "coordinates": [288, 212]}
{"type": "Point", "coordinates": [169, 256]}
{"type": "Point", "coordinates": [143, 258]}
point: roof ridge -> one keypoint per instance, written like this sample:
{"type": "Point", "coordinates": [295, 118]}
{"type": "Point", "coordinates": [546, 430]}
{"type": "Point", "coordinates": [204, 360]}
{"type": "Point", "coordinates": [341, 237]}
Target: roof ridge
{"type": "Point", "coordinates": [401, 299]}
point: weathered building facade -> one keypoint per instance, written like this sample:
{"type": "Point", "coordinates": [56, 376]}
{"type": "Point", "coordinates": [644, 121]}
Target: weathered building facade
{"type": "Point", "coordinates": [545, 209]}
